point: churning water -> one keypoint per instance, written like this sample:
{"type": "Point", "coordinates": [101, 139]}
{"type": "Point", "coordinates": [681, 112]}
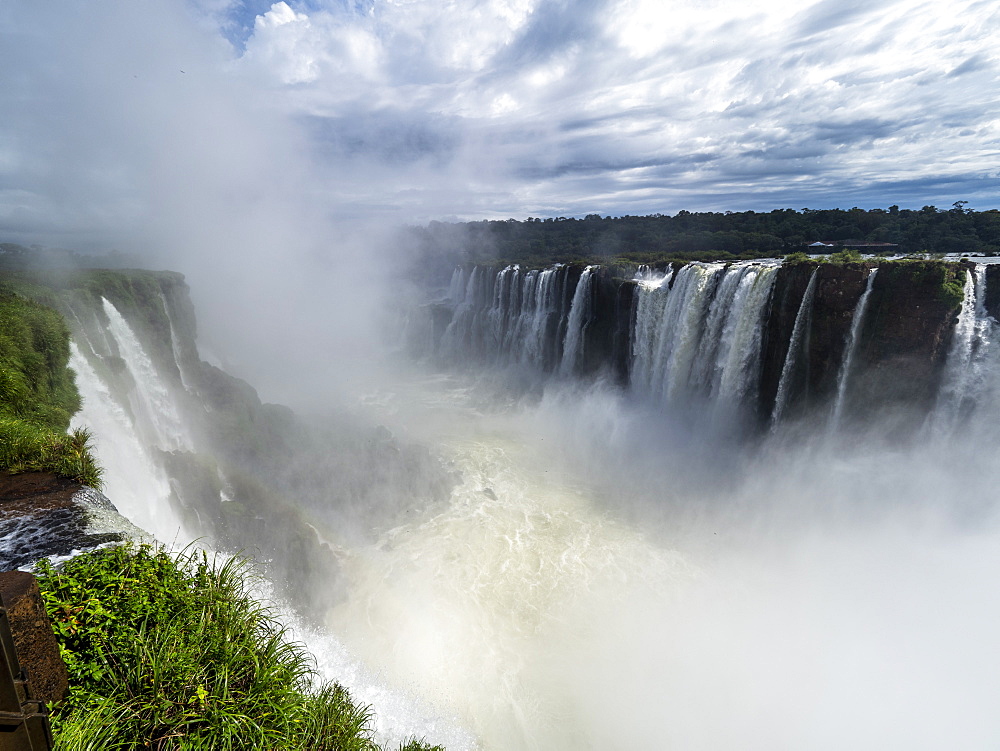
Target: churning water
{"type": "Point", "coordinates": [590, 584]}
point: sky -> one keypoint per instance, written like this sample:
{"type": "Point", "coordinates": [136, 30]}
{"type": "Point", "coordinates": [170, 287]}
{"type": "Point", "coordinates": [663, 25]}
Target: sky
{"type": "Point", "coordinates": [126, 120]}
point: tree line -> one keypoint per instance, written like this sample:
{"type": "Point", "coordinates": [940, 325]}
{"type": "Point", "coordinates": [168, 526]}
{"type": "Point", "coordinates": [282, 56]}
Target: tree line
{"type": "Point", "coordinates": [717, 235]}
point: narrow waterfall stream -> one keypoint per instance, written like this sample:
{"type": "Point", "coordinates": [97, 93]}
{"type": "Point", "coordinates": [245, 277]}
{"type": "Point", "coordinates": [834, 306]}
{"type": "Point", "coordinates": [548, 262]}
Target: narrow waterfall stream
{"type": "Point", "coordinates": [795, 348]}
{"type": "Point", "coordinates": [853, 340]}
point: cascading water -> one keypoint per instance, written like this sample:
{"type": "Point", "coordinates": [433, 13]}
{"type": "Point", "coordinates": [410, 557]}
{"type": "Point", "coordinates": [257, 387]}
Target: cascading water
{"type": "Point", "coordinates": [155, 409]}
{"type": "Point", "coordinates": [133, 478]}
{"type": "Point", "coordinates": [737, 363]}
{"type": "Point", "coordinates": [795, 347]}
{"type": "Point", "coordinates": [593, 583]}
{"type": "Point", "coordinates": [969, 381]}
{"type": "Point", "coordinates": [507, 317]}
{"type": "Point", "coordinates": [186, 381]}
{"type": "Point", "coordinates": [579, 317]}
{"type": "Point", "coordinates": [853, 339]}
{"type": "Point", "coordinates": [701, 337]}
{"type": "Point", "coordinates": [651, 299]}
{"type": "Point", "coordinates": [585, 585]}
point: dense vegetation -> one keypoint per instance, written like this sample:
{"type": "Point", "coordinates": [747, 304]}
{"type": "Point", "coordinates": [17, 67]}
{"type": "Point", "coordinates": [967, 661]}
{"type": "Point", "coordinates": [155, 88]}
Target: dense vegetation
{"type": "Point", "coordinates": [173, 652]}
{"type": "Point", "coordinates": [711, 235]}
{"type": "Point", "coordinates": [38, 394]}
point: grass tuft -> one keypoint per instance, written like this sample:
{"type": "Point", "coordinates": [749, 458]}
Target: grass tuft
{"type": "Point", "coordinates": [173, 652]}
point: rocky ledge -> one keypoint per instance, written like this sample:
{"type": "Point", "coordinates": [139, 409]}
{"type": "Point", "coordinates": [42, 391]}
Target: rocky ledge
{"type": "Point", "coordinates": [44, 515]}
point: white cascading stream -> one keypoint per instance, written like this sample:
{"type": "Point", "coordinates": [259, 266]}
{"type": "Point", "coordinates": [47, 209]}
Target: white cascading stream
{"type": "Point", "coordinates": [969, 382]}
{"type": "Point", "coordinates": [651, 299]}
{"type": "Point", "coordinates": [795, 346]}
{"type": "Point", "coordinates": [539, 320]}
{"type": "Point", "coordinates": [133, 479]}
{"type": "Point", "coordinates": [701, 336]}
{"type": "Point", "coordinates": [459, 282]}
{"type": "Point", "coordinates": [850, 348]}
{"type": "Point", "coordinates": [713, 346]}
{"type": "Point", "coordinates": [579, 317]}
{"type": "Point", "coordinates": [186, 381]}
{"type": "Point", "coordinates": [154, 407]}
{"type": "Point", "coordinates": [739, 354]}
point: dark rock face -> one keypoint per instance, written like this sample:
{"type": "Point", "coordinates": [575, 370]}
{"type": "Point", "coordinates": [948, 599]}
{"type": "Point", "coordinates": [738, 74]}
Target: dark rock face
{"type": "Point", "coordinates": [604, 324]}
{"type": "Point", "coordinates": [905, 340]}
{"type": "Point", "coordinates": [827, 327]}
{"type": "Point", "coordinates": [993, 290]}
{"type": "Point", "coordinates": [43, 515]}
{"type": "Point", "coordinates": [37, 650]}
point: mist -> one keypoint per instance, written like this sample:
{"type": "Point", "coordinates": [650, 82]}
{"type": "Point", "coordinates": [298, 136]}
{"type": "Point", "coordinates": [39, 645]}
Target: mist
{"type": "Point", "coordinates": [589, 586]}
{"type": "Point", "coordinates": [563, 566]}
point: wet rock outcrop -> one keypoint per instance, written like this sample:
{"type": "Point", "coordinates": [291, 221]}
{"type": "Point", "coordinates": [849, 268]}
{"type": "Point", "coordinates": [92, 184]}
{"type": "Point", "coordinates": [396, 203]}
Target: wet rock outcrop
{"type": "Point", "coordinates": [44, 515]}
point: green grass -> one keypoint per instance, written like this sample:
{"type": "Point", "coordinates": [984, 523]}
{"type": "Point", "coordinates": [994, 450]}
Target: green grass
{"type": "Point", "coordinates": [38, 394]}
{"type": "Point", "coordinates": [28, 447]}
{"type": "Point", "coordinates": [173, 652]}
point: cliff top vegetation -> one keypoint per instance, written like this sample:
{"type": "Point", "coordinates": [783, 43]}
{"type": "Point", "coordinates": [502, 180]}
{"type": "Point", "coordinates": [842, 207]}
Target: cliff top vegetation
{"type": "Point", "coordinates": [720, 236]}
{"type": "Point", "coordinates": [38, 394]}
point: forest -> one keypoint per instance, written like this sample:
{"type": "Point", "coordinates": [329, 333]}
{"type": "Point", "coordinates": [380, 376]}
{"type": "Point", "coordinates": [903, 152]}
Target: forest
{"type": "Point", "coordinates": [715, 235]}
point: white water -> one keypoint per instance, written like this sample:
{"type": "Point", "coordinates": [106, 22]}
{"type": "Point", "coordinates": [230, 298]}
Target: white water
{"type": "Point", "coordinates": [586, 586]}
{"type": "Point", "coordinates": [969, 381]}
{"type": "Point", "coordinates": [702, 336]}
{"type": "Point", "coordinates": [186, 381]}
{"type": "Point", "coordinates": [795, 346]}
{"type": "Point", "coordinates": [133, 480]}
{"type": "Point", "coordinates": [505, 318]}
{"type": "Point", "coordinates": [815, 602]}
{"type": "Point", "coordinates": [154, 407]}
{"type": "Point", "coordinates": [579, 317]}
{"type": "Point", "coordinates": [850, 348]}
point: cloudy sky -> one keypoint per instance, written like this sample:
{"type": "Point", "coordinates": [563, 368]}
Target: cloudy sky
{"type": "Point", "coordinates": [145, 114]}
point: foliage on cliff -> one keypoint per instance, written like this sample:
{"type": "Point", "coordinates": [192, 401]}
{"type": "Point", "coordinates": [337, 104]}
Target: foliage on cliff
{"type": "Point", "coordinates": [38, 394]}
{"type": "Point", "coordinates": [173, 652]}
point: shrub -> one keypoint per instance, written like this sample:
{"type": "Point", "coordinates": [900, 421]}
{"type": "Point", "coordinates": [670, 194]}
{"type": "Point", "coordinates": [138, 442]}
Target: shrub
{"type": "Point", "coordinates": [173, 652]}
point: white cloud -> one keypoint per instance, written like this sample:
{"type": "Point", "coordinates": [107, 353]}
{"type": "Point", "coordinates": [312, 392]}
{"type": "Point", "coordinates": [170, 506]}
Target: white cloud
{"type": "Point", "coordinates": [477, 107]}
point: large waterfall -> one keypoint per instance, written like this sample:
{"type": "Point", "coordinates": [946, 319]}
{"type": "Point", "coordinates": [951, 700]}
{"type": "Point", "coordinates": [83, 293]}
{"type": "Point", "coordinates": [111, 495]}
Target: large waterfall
{"type": "Point", "coordinates": [752, 342]}
{"type": "Point", "coordinates": [585, 567]}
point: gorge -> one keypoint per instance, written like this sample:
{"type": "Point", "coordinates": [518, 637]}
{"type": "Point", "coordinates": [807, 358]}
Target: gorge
{"type": "Point", "coordinates": [698, 506]}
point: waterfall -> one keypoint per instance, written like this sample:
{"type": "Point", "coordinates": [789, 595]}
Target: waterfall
{"type": "Point", "coordinates": [651, 299]}
{"type": "Point", "coordinates": [133, 479]}
{"type": "Point", "coordinates": [579, 316]}
{"type": "Point", "coordinates": [712, 350]}
{"type": "Point", "coordinates": [506, 317]}
{"type": "Point", "coordinates": [538, 318]}
{"type": "Point", "coordinates": [701, 336]}
{"type": "Point", "coordinates": [151, 401]}
{"type": "Point", "coordinates": [966, 382]}
{"type": "Point", "coordinates": [459, 283]}
{"type": "Point", "coordinates": [802, 318]}
{"type": "Point", "coordinates": [175, 347]}
{"type": "Point", "coordinates": [850, 349]}
{"type": "Point", "coordinates": [739, 352]}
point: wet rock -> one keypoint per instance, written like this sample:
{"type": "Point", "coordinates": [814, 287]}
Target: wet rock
{"type": "Point", "coordinates": [44, 515]}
